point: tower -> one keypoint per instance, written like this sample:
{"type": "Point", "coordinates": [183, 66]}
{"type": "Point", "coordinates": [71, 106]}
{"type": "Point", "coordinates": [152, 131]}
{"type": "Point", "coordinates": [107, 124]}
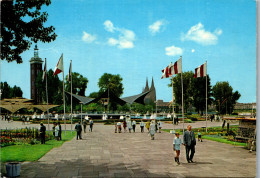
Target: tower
{"type": "Point", "coordinates": [151, 97]}
{"type": "Point", "coordinates": [36, 68]}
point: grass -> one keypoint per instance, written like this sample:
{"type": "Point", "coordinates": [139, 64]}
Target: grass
{"type": "Point", "coordinates": [21, 153]}
{"type": "Point", "coordinates": [215, 137]}
{"type": "Point", "coordinates": [222, 140]}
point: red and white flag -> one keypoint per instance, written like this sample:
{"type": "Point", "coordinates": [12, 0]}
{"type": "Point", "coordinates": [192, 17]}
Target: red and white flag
{"type": "Point", "coordinates": [201, 71]}
{"type": "Point", "coordinates": [176, 67]}
{"type": "Point", "coordinates": [69, 75]}
{"type": "Point", "coordinates": [59, 67]}
{"type": "Point", "coordinates": [172, 69]}
{"type": "Point", "coordinates": [44, 71]}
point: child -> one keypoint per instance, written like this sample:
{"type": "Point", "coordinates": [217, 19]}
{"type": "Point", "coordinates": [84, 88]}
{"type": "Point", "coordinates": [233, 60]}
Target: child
{"type": "Point", "coordinates": [199, 136]}
{"type": "Point", "coordinates": [177, 147]}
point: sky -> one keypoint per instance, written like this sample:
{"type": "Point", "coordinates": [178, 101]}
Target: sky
{"type": "Point", "coordinates": [139, 38]}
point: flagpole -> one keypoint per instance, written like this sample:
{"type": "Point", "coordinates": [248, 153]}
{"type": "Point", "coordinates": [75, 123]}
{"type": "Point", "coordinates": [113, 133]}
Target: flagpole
{"type": "Point", "coordinates": [47, 97]}
{"type": "Point", "coordinates": [64, 100]}
{"type": "Point", "coordinates": [182, 102]}
{"type": "Point", "coordinates": [206, 98]}
{"type": "Point", "coordinates": [173, 105]}
{"type": "Point", "coordinates": [70, 75]}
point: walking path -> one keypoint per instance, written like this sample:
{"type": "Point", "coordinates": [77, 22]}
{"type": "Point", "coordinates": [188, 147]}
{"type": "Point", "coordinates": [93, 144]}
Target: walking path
{"type": "Point", "coordinates": [104, 153]}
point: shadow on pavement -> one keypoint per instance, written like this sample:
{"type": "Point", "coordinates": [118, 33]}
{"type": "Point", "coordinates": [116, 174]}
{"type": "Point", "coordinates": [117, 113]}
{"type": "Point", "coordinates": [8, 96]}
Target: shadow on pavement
{"type": "Point", "coordinates": [84, 168]}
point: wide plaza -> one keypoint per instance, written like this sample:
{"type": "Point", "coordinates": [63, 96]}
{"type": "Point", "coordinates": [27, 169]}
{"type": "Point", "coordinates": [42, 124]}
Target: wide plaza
{"type": "Point", "coordinates": [103, 153]}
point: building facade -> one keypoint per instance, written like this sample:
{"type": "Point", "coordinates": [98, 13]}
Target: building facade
{"type": "Point", "coordinates": [151, 97]}
{"type": "Point", "coordinates": [35, 69]}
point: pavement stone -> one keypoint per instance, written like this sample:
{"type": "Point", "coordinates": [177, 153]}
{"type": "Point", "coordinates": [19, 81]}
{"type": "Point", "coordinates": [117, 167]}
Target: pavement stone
{"type": "Point", "coordinates": [103, 153]}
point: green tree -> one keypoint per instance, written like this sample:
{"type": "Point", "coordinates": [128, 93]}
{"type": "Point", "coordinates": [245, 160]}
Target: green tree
{"type": "Point", "coordinates": [198, 89]}
{"type": "Point", "coordinates": [55, 95]}
{"type": "Point", "coordinates": [187, 84]}
{"type": "Point", "coordinates": [22, 22]}
{"type": "Point", "coordinates": [225, 98]}
{"type": "Point", "coordinates": [111, 82]}
{"type": "Point", "coordinates": [6, 90]}
{"type": "Point", "coordinates": [79, 84]}
{"type": "Point", "coordinates": [94, 95]}
{"type": "Point", "coordinates": [10, 92]}
{"type": "Point", "coordinates": [16, 92]}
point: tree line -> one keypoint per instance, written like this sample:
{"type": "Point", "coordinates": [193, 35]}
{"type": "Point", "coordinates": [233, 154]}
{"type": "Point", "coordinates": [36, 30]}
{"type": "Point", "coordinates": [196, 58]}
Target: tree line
{"type": "Point", "coordinates": [194, 93]}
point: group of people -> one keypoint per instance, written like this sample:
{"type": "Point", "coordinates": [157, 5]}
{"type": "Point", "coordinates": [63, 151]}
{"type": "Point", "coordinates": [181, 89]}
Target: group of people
{"type": "Point", "coordinates": [78, 128]}
{"type": "Point", "coordinates": [57, 130]}
{"type": "Point", "coordinates": [152, 127]}
{"type": "Point", "coordinates": [189, 141]}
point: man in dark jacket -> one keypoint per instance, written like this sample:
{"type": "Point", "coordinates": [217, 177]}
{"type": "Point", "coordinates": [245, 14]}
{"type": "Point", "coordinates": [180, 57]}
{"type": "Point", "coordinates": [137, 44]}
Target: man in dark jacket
{"type": "Point", "coordinates": [59, 131]}
{"type": "Point", "coordinates": [189, 142]}
{"type": "Point", "coordinates": [78, 128]}
{"type": "Point", "coordinates": [42, 133]}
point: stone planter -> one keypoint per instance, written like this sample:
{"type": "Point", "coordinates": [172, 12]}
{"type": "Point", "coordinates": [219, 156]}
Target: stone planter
{"type": "Point", "coordinates": [13, 169]}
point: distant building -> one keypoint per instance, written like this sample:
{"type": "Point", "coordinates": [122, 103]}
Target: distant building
{"type": "Point", "coordinates": [36, 68]}
{"type": "Point", "coordinates": [151, 97]}
{"type": "Point", "coordinates": [245, 106]}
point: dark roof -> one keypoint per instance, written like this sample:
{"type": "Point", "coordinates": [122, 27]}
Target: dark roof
{"type": "Point", "coordinates": [82, 99]}
{"type": "Point", "coordinates": [136, 98]}
{"type": "Point", "coordinates": [130, 99]}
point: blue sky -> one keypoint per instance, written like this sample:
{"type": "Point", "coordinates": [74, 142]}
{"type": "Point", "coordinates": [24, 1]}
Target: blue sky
{"type": "Point", "coordinates": [138, 38]}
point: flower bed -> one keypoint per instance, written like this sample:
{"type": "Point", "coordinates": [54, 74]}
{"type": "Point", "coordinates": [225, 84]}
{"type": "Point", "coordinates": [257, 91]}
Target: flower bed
{"type": "Point", "coordinates": [22, 136]}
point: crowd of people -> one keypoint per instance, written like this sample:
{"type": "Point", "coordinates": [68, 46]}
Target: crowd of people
{"type": "Point", "coordinates": [129, 125]}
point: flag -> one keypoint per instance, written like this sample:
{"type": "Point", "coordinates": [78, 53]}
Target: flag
{"type": "Point", "coordinates": [172, 69]}
{"type": "Point", "coordinates": [69, 75]}
{"type": "Point", "coordinates": [44, 71]}
{"type": "Point", "coordinates": [165, 72]}
{"type": "Point", "coordinates": [201, 71]}
{"type": "Point", "coordinates": [176, 67]}
{"type": "Point", "coordinates": [59, 67]}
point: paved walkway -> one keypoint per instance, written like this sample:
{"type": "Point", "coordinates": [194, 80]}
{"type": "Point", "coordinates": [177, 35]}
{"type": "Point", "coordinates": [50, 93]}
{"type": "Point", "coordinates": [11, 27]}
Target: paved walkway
{"type": "Point", "coordinates": [104, 153]}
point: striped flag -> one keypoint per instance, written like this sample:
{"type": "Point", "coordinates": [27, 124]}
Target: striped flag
{"type": "Point", "coordinates": [44, 71]}
{"type": "Point", "coordinates": [172, 69]}
{"type": "Point", "coordinates": [69, 75]}
{"type": "Point", "coordinates": [201, 71]}
{"type": "Point", "coordinates": [165, 72]}
{"type": "Point", "coordinates": [59, 67]}
{"type": "Point", "coordinates": [176, 68]}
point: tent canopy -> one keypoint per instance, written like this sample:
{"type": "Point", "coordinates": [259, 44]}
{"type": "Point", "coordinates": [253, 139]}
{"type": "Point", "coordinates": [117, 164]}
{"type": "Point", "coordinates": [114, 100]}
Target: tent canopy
{"type": "Point", "coordinates": [112, 97]}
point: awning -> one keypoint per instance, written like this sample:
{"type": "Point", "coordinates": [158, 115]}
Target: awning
{"type": "Point", "coordinates": [136, 98]}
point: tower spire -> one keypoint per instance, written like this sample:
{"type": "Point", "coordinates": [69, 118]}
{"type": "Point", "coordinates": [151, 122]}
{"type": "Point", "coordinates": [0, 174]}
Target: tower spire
{"type": "Point", "coordinates": [146, 86]}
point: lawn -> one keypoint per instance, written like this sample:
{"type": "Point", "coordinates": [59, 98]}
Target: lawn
{"type": "Point", "coordinates": [28, 152]}
{"type": "Point", "coordinates": [213, 134]}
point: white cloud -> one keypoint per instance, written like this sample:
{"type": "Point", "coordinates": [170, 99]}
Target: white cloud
{"type": "Point", "coordinates": [193, 50]}
{"type": "Point", "coordinates": [173, 51]}
{"type": "Point", "coordinates": [112, 41]}
{"type": "Point", "coordinates": [156, 26]}
{"type": "Point", "coordinates": [88, 37]}
{"type": "Point", "coordinates": [125, 38]}
{"type": "Point", "coordinates": [109, 26]}
{"type": "Point", "coordinates": [198, 34]}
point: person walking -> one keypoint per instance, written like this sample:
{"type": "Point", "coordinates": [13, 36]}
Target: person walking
{"type": "Point", "coordinates": [189, 142]}
{"type": "Point", "coordinates": [134, 124]}
{"type": "Point", "coordinates": [91, 123]}
{"type": "Point", "coordinates": [199, 136]}
{"type": "Point", "coordinates": [152, 130]}
{"type": "Point", "coordinates": [160, 126]}
{"type": "Point", "coordinates": [177, 147]}
{"type": "Point", "coordinates": [147, 125]}
{"type": "Point", "coordinates": [56, 130]}
{"type": "Point", "coordinates": [129, 125]}
{"type": "Point", "coordinates": [142, 126]}
{"type": "Point", "coordinates": [78, 128]}
{"type": "Point", "coordinates": [119, 127]}
{"type": "Point", "coordinates": [84, 125]}
{"type": "Point", "coordinates": [42, 133]}
{"type": "Point", "coordinates": [124, 125]}
{"type": "Point", "coordinates": [59, 130]}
